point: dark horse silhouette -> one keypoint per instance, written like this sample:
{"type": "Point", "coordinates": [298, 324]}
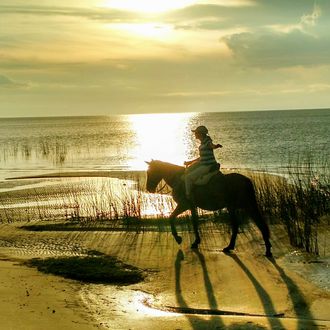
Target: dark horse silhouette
{"type": "Point", "coordinates": [233, 191]}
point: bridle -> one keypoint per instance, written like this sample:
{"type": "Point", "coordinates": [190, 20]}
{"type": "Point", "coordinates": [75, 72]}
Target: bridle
{"type": "Point", "coordinates": [158, 191]}
{"type": "Point", "coordinates": [167, 182]}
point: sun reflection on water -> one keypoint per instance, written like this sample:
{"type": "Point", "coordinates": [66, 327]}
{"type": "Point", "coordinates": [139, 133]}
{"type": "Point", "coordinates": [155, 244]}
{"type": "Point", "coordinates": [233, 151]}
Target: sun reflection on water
{"type": "Point", "coordinates": [161, 136]}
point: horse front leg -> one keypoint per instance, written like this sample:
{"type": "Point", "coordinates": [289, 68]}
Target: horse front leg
{"type": "Point", "coordinates": [178, 210]}
{"type": "Point", "coordinates": [234, 231]}
{"type": "Point", "coordinates": [194, 218]}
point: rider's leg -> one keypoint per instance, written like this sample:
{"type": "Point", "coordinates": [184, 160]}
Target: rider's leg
{"type": "Point", "coordinates": [192, 175]}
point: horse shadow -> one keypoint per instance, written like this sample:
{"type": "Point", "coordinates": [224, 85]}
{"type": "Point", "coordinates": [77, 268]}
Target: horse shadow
{"type": "Point", "coordinates": [264, 297]}
{"type": "Point", "coordinates": [197, 322]}
{"type": "Point", "coordinates": [299, 303]}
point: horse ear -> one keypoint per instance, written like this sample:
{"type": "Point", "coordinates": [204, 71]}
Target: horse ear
{"type": "Point", "coordinates": [147, 162]}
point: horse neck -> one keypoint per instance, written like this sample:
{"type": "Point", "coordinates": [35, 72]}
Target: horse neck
{"type": "Point", "coordinates": [170, 173]}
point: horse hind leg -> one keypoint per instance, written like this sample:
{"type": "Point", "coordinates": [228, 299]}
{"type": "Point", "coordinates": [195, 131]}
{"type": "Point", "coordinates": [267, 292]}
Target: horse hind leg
{"type": "Point", "coordinates": [194, 217]}
{"type": "Point", "coordinates": [263, 227]}
{"type": "Point", "coordinates": [234, 231]}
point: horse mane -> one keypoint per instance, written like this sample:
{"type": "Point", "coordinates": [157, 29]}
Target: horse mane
{"type": "Point", "coordinates": [167, 167]}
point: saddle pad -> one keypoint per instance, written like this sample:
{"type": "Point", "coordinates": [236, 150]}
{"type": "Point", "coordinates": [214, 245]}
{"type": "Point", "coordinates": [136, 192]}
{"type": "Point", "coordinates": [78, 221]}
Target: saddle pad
{"type": "Point", "coordinates": [204, 179]}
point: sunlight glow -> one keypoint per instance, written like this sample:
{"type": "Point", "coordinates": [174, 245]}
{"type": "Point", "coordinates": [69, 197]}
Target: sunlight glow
{"type": "Point", "coordinates": [158, 6]}
{"type": "Point", "coordinates": [146, 30]}
{"type": "Point", "coordinates": [147, 6]}
{"type": "Point", "coordinates": [161, 136]}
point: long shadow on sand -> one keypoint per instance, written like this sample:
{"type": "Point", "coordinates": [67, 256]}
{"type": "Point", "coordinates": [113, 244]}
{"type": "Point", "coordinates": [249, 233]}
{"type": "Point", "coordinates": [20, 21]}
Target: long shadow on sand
{"type": "Point", "coordinates": [195, 321]}
{"type": "Point", "coordinates": [299, 302]}
{"type": "Point", "coordinates": [214, 321]}
{"type": "Point", "coordinates": [265, 299]}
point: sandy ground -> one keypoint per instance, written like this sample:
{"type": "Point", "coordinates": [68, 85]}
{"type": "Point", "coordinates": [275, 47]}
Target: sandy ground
{"type": "Point", "coordinates": [184, 289]}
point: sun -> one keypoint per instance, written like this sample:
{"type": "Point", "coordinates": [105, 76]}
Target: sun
{"type": "Point", "coordinates": [147, 6]}
{"type": "Point", "coordinates": [161, 136]}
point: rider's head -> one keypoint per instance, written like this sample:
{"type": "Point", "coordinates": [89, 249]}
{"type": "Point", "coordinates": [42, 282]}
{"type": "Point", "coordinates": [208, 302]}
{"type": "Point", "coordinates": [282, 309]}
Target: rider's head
{"type": "Point", "coordinates": [200, 131]}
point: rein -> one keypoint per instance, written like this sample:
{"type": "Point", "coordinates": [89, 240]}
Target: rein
{"type": "Point", "coordinates": [162, 188]}
{"type": "Point", "coordinates": [169, 173]}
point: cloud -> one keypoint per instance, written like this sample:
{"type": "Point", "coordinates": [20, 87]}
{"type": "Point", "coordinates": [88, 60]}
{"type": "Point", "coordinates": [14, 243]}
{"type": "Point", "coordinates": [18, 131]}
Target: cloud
{"type": "Point", "coordinates": [304, 42]}
{"type": "Point", "coordinates": [6, 82]}
{"type": "Point", "coordinates": [279, 50]}
{"type": "Point", "coordinates": [311, 19]}
{"type": "Point", "coordinates": [91, 13]}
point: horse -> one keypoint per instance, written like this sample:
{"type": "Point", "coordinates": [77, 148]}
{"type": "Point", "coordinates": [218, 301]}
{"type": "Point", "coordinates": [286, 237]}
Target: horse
{"type": "Point", "coordinates": [233, 191]}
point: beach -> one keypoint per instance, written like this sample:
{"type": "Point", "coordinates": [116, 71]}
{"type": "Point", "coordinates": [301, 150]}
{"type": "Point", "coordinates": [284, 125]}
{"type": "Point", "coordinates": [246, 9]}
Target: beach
{"type": "Point", "coordinates": [75, 186]}
{"type": "Point", "coordinates": [105, 105]}
{"type": "Point", "coordinates": [183, 288]}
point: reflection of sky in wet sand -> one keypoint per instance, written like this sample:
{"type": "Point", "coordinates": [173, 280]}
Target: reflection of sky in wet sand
{"type": "Point", "coordinates": [315, 268]}
{"type": "Point", "coordinates": [93, 196]}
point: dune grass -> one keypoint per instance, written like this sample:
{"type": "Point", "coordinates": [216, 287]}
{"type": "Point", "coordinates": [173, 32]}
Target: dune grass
{"type": "Point", "coordinates": [299, 199]}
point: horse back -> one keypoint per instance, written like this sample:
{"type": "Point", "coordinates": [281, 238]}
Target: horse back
{"type": "Point", "coordinates": [240, 190]}
{"type": "Point", "coordinates": [226, 190]}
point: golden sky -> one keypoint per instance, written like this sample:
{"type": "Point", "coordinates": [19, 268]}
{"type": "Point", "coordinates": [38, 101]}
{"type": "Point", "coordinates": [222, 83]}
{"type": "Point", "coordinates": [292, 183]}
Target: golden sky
{"type": "Point", "coordinates": [86, 57]}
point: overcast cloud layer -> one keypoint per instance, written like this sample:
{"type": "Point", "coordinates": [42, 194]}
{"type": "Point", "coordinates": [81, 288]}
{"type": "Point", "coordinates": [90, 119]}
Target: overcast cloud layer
{"type": "Point", "coordinates": [94, 57]}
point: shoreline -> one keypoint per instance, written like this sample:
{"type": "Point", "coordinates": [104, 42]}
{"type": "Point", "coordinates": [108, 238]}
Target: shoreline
{"type": "Point", "coordinates": [82, 174]}
{"type": "Point", "coordinates": [124, 174]}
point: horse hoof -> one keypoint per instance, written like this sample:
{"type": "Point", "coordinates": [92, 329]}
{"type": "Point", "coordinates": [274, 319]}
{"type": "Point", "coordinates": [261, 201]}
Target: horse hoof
{"type": "Point", "coordinates": [227, 249]}
{"type": "Point", "coordinates": [269, 254]}
{"type": "Point", "coordinates": [178, 239]}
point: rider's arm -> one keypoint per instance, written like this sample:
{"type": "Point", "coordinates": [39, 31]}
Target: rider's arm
{"type": "Point", "coordinates": [215, 146]}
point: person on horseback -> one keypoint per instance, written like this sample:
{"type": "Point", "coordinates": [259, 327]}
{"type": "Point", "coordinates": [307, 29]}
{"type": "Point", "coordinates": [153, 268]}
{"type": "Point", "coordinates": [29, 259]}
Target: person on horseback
{"type": "Point", "coordinates": [204, 163]}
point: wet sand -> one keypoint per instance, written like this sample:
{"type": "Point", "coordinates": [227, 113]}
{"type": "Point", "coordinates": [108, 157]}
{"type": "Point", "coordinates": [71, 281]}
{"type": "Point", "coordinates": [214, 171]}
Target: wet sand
{"type": "Point", "coordinates": [184, 288]}
{"type": "Point", "coordinates": [32, 300]}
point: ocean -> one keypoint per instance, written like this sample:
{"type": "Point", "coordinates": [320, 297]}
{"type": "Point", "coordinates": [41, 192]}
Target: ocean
{"type": "Point", "coordinates": [263, 141]}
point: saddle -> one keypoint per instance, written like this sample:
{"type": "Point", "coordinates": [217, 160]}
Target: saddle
{"type": "Point", "coordinates": [204, 179]}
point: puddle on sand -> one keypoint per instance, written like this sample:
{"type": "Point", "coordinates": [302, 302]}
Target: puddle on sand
{"type": "Point", "coordinates": [313, 268]}
{"type": "Point", "coordinates": [109, 304]}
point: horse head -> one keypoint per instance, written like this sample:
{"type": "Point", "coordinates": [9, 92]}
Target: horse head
{"type": "Point", "coordinates": [154, 175]}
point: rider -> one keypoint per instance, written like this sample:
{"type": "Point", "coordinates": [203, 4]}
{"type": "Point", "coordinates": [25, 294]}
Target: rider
{"type": "Point", "coordinates": [205, 161]}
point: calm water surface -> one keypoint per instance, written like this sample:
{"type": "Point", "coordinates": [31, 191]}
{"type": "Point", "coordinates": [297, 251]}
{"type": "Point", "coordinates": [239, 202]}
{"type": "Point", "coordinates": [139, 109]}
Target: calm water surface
{"type": "Point", "coordinates": [266, 140]}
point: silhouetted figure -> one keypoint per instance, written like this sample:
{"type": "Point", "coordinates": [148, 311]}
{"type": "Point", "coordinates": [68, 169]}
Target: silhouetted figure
{"type": "Point", "coordinates": [233, 191]}
{"type": "Point", "coordinates": [204, 163]}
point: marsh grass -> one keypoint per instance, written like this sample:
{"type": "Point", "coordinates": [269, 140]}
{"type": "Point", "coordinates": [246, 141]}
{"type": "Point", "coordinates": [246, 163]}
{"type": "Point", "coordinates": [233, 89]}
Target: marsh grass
{"type": "Point", "coordinates": [55, 150]}
{"type": "Point", "coordinates": [86, 201]}
{"type": "Point", "coordinates": [300, 199]}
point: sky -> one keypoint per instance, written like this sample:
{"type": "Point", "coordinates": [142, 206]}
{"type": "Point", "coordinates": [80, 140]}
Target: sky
{"type": "Point", "coordinates": [103, 57]}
